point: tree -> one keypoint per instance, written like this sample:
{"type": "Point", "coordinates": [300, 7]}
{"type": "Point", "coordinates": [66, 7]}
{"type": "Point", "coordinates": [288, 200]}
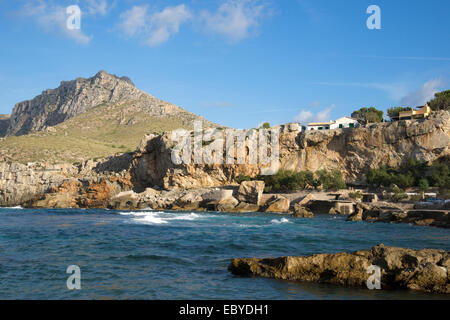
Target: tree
{"type": "Point", "coordinates": [265, 125]}
{"type": "Point", "coordinates": [394, 111]}
{"type": "Point", "coordinates": [441, 101]}
{"type": "Point", "coordinates": [368, 115]}
{"type": "Point", "coordinates": [331, 180]}
{"type": "Point", "coordinates": [423, 185]}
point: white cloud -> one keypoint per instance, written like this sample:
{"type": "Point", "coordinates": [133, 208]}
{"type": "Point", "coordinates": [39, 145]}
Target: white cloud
{"type": "Point", "coordinates": [155, 28]}
{"type": "Point", "coordinates": [306, 116]}
{"type": "Point", "coordinates": [53, 18]}
{"type": "Point", "coordinates": [97, 6]}
{"type": "Point", "coordinates": [133, 20]}
{"type": "Point", "coordinates": [422, 95]}
{"type": "Point", "coordinates": [166, 23]}
{"type": "Point", "coordinates": [234, 19]}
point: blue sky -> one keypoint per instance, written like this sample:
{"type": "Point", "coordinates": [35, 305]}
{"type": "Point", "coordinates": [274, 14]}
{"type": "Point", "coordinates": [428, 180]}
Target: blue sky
{"type": "Point", "coordinates": [237, 63]}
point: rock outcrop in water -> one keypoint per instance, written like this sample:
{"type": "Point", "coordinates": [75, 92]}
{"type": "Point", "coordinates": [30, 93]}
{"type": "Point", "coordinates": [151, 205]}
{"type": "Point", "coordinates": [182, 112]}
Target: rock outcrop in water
{"type": "Point", "coordinates": [425, 270]}
{"type": "Point", "coordinates": [422, 217]}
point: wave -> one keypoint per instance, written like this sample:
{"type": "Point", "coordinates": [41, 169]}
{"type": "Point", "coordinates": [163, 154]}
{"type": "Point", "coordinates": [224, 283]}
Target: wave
{"type": "Point", "coordinates": [282, 220]}
{"type": "Point", "coordinates": [16, 207]}
{"type": "Point", "coordinates": [161, 217]}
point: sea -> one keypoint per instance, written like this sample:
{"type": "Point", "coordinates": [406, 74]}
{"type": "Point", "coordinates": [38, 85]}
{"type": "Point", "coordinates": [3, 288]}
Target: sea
{"type": "Point", "coordinates": [162, 255]}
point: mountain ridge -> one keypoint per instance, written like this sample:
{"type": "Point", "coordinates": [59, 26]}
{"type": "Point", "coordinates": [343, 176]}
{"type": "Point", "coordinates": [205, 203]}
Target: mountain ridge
{"type": "Point", "coordinates": [71, 98]}
{"type": "Point", "coordinates": [87, 118]}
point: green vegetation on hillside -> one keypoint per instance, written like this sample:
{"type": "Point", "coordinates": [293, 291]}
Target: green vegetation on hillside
{"type": "Point", "coordinates": [287, 180]}
{"type": "Point", "coordinates": [368, 115]}
{"type": "Point", "coordinates": [395, 111]}
{"type": "Point", "coordinates": [102, 131]}
{"type": "Point", "coordinates": [441, 101]}
{"type": "Point", "coordinates": [412, 174]}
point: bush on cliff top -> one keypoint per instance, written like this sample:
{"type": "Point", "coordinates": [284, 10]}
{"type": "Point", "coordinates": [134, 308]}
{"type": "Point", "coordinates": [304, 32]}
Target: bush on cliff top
{"type": "Point", "coordinates": [368, 115]}
{"type": "Point", "coordinates": [441, 101]}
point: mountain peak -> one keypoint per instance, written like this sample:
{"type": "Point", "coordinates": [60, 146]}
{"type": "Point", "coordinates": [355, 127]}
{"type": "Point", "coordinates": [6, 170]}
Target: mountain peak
{"type": "Point", "coordinates": [102, 75]}
{"type": "Point", "coordinates": [78, 96]}
{"type": "Point", "coordinates": [71, 98]}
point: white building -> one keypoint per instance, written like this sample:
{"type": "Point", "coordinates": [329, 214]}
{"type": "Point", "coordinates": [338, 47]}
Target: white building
{"type": "Point", "coordinates": [344, 122]}
{"type": "Point", "coordinates": [319, 125]}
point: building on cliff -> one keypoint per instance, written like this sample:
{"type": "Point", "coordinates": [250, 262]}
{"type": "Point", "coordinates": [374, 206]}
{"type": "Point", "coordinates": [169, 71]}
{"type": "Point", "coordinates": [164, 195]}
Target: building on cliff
{"type": "Point", "coordinates": [344, 122]}
{"type": "Point", "coordinates": [422, 112]}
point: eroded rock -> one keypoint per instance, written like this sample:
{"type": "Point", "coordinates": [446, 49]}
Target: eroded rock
{"type": "Point", "coordinates": [422, 270]}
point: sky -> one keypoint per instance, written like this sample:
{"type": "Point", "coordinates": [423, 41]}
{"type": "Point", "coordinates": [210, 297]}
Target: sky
{"type": "Point", "coordinates": [237, 63]}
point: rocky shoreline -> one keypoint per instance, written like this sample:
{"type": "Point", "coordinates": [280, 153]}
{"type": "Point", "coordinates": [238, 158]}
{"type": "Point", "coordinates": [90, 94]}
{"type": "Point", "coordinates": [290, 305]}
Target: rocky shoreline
{"type": "Point", "coordinates": [148, 178]}
{"type": "Point", "coordinates": [244, 198]}
{"type": "Point", "coordinates": [424, 270]}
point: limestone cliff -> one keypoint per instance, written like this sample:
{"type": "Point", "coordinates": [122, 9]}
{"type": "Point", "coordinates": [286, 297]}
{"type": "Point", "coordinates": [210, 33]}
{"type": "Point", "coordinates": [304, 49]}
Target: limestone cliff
{"type": "Point", "coordinates": [352, 151]}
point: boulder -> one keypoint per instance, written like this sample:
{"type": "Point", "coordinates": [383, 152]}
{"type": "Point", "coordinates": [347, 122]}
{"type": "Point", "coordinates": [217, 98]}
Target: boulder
{"type": "Point", "coordinates": [277, 204]}
{"type": "Point", "coordinates": [301, 212]}
{"type": "Point", "coordinates": [227, 205]}
{"type": "Point", "coordinates": [309, 197]}
{"type": "Point", "coordinates": [251, 191]}
{"type": "Point", "coordinates": [358, 214]}
{"type": "Point", "coordinates": [126, 200]}
{"type": "Point", "coordinates": [246, 207]}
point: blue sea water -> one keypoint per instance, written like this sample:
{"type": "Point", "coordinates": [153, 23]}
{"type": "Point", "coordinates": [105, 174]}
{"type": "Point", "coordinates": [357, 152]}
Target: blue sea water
{"type": "Point", "coordinates": [185, 255]}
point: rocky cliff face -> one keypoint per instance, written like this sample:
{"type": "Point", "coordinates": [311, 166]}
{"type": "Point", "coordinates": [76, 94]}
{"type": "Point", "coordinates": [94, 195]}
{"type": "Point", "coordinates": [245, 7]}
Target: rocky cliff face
{"type": "Point", "coordinates": [352, 151]}
{"type": "Point", "coordinates": [20, 183]}
{"type": "Point", "coordinates": [4, 124]}
{"type": "Point", "coordinates": [74, 97]}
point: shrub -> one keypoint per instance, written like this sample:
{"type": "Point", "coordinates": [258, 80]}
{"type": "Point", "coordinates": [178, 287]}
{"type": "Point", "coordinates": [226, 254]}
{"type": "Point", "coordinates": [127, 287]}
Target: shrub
{"type": "Point", "coordinates": [441, 101]}
{"type": "Point", "coordinates": [415, 198]}
{"type": "Point", "coordinates": [240, 178]}
{"type": "Point", "coordinates": [394, 111]}
{"type": "Point", "coordinates": [288, 180]}
{"type": "Point", "coordinates": [440, 175]}
{"type": "Point", "coordinates": [331, 180]}
{"type": "Point", "coordinates": [423, 184]}
{"type": "Point", "coordinates": [410, 174]}
{"type": "Point", "coordinates": [399, 194]}
{"type": "Point", "coordinates": [355, 195]}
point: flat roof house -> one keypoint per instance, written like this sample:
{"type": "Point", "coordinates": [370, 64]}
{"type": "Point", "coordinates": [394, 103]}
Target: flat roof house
{"type": "Point", "coordinates": [422, 112]}
{"type": "Point", "coordinates": [319, 125]}
{"type": "Point", "coordinates": [344, 122]}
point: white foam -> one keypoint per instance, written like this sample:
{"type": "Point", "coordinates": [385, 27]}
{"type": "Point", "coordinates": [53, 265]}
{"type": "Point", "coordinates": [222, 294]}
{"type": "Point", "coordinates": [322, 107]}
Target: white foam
{"type": "Point", "coordinates": [160, 217]}
{"type": "Point", "coordinates": [282, 220]}
{"type": "Point", "coordinates": [189, 217]}
{"type": "Point", "coordinates": [16, 207]}
{"type": "Point", "coordinates": [150, 219]}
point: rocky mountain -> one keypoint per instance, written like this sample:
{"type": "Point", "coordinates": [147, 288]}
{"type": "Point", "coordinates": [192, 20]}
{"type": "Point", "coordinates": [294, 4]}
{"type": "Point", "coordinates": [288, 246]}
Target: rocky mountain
{"type": "Point", "coordinates": [4, 124]}
{"type": "Point", "coordinates": [87, 118]}
{"type": "Point", "coordinates": [74, 97]}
